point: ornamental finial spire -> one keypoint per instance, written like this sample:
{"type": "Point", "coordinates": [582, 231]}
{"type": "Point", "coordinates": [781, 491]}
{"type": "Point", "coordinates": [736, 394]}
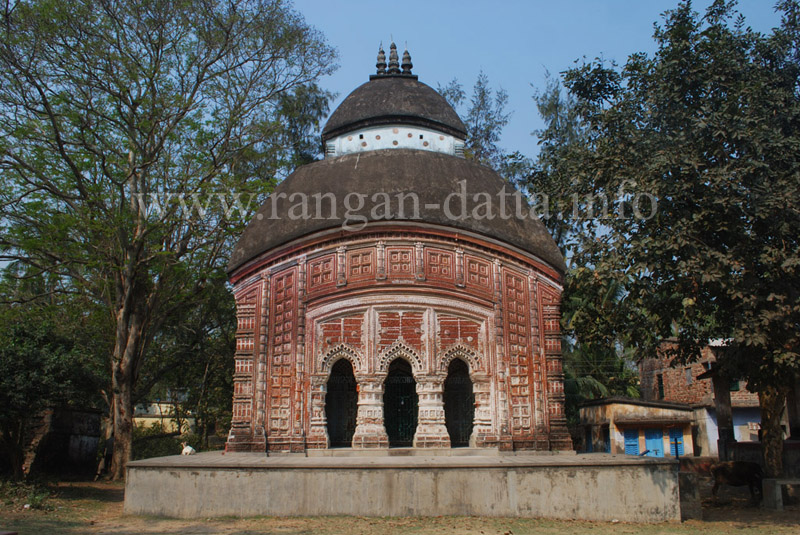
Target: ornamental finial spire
{"type": "Point", "coordinates": [394, 64]}
{"type": "Point", "coordinates": [407, 65]}
{"type": "Point", "coordinates": [381, 65]}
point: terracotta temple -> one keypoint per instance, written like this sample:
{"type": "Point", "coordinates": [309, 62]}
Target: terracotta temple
{"type": "Point", "coordinates": [396, 294]}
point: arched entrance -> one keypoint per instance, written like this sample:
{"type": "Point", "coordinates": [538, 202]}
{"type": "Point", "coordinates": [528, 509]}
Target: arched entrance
{"type": "Point", "coordinates": [341, 404]}
{"type": "Point", "coordinates": [459, 403]}
{"type": "Point", "coordinates": [400, 402]}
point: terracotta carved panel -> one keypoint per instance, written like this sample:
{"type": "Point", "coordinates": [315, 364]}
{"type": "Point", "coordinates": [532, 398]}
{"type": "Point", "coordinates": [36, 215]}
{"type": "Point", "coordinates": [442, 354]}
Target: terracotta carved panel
{"type": "Point", "coordinates": [478, 274]}
{"type": "Point", "coordinates": [361, 264]}
{"type": "Point", "coordinates": [401, 264]}
{"type": "Point", "coordinates": [515, 308]}
{"type": "Point", "coordinates": [322, 273]}
{"type": "Point", "coordinates": [282, 336]}
{"type": "Point", "coordinates": [439, 265]}
{"type": "Point", "coordinates": [457, 330]}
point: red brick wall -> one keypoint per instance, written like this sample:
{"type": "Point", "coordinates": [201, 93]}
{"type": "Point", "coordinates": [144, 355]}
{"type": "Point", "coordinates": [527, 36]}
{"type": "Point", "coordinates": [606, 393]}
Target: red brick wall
{"type": "Point", "coordinates": [676, 387]}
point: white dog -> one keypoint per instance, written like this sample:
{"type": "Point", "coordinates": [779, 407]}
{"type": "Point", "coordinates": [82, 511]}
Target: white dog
{"type": "Point", "coordinates": [187, 449]}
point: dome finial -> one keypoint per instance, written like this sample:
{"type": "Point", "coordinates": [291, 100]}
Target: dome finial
{"type": "Point", "coordinates": [394, 64]}
{"type": "Point", "coordinates": [407, 65]}
{"type": "Point", "coordinates": [381, 65]}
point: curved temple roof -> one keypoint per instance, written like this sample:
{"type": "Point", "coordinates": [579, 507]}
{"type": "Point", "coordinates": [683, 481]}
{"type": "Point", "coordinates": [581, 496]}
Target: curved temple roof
{"type": "Point", "coordinates": [395, 185]}
{"type": "Point", "coordinates": [369, 179]}
{"type": "Point", "coordinates": [394, 99]}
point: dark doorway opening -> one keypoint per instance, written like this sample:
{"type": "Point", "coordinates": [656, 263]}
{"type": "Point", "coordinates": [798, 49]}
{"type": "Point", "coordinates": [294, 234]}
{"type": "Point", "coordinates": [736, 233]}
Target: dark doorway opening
{"type": "Point", "coordinates": [341, 404]}
{"type": "Point", "coordinates": [400, 404]}
{"type": "Point", "coordinates": [459, 404]}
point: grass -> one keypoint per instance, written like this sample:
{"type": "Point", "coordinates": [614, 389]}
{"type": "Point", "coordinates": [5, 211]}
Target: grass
{"type": "Point", "coordinates": [94, 508]}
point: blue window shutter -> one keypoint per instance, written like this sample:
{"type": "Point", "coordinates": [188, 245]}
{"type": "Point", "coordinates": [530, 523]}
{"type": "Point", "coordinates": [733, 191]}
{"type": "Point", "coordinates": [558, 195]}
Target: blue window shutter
{"type": "Point", "coordinates": [675, 436]}
{"type": "Point", "coordinates": [631, 442]}
{"type": "Point", "coordinates": [654, 441]}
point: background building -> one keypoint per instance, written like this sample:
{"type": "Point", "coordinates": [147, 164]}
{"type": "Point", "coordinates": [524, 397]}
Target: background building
{"type": "Point", "coordinates": [690, 385]}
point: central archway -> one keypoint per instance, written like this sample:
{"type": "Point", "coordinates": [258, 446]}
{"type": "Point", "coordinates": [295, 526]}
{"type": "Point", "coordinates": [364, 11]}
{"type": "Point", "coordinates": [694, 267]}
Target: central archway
{"type": "Point", "coordinates": [400, 403]}
{"type": "Point", "coordinates": [341, 404]}
{"type": "Point", "coordinates": [459, 404]}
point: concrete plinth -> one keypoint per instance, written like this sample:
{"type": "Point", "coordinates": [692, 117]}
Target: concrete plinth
{"type": "Point", "coordinates": [590, 487]}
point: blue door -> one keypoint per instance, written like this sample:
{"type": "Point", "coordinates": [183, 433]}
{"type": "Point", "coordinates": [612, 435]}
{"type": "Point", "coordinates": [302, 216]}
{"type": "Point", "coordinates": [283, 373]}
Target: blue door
{"type": "Point", "coordinates": [654, 442]}
{"type": "Point", "coordinates": [675, 438]}
{"type": "Point", "coordinates": [631, 442]}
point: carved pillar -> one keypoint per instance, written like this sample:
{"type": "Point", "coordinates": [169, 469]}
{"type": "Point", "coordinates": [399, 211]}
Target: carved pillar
{"type": "Point", "coordinates": [370, 431]}
{"type": "Point", "coordinates": [419, 254]}
{"type": "Point", "coordinates": [381, 254]}
{"type": "Point", "coordinates": [431, 430]}
{"type": "Point", "coordinates": [299, 414]}
{"type": "Point", "coordinates": [482, 432]}
{"type": "Point", "coordinates": [341, 265]}
{"type": "Point", "coordinates": [318, 428]}
{"type": "Point", "coordinates": [504, 441]}
{"type": "Point", "coordinates": [538, 365]}
{"type": "Point", "coordinates": [459, 267]}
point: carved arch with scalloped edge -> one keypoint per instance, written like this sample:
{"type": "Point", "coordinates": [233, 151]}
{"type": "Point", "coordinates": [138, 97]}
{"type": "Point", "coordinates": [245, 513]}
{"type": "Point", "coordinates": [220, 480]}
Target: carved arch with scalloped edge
{"type": "Point", "coordinates": [467, 354]}
{"type": "Point", "coordinates": [399, 350]}
{"type": "Point", "coordinates": [341, 351]}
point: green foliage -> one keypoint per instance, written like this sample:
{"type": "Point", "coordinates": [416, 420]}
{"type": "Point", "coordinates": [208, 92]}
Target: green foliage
{"type": "Point", "coordinates": [156, 441]}
{"type": "Point", "coordinates": [708, 127]}
{"type": "Point", "coordinates": [302, 112]}
{"type": "Point", "coordinates": [596, 361]}
{"type": "Point", "coordinates": [41, 366]}
{"type": "Point", "coordinates": [484, 119]}
{"type": "Point", "coordinates": [695, 149]}
{"type": "Point", "coordinates": [552, 180]}
{"type": "Point", "coordinates": [18, 495]}
{"type": "Point", "coordinates": [138, 138]}
{"type": "Point", "coordinates": [193, 354]}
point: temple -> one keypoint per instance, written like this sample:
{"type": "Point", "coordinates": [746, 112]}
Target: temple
{"type": "Point", "coordinates": [396, 294]}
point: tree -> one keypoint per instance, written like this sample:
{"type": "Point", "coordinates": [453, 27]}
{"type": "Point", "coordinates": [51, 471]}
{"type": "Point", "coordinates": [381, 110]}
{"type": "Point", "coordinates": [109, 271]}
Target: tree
{"type": "Point", "coordinates": [484, 119]}
{"type": "Point", "coordinates": [597, 359]}
{"type": "Point", "coordinates": [193, 354]}
{"type": "Point", "coordinates": [131, 136]}
{"type": "Point", "coordinates": [302, 111]}
{"type": "Point", "coordinates": [696, 150]}
{"type": "Point", "coordinates": [552, 180]}
{"type": "Point", "coordinates": [42, 365]}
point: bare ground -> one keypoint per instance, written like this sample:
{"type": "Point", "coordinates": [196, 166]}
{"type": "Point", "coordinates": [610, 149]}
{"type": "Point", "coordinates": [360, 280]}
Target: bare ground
{"type": "Point", "coordinates": [95, 508]}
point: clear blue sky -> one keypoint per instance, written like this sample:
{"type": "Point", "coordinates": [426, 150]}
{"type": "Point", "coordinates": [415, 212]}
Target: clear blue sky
{"type": "Point", "coordinates": [513, 42]}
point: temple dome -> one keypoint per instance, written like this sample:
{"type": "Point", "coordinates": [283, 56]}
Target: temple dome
{"type": "Point", "coordinates": [432, 177]}
{"type": "Point", "coordinates": [394, 100]}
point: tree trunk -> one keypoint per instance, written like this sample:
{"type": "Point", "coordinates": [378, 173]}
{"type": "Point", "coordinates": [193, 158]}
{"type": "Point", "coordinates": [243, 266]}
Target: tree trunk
{"type": "Point", "coordinates": [11, 440]}
{"type": "Point", "coordinates": [772, 400]}
{"type": "Point", "coordinates": [122, 424]}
